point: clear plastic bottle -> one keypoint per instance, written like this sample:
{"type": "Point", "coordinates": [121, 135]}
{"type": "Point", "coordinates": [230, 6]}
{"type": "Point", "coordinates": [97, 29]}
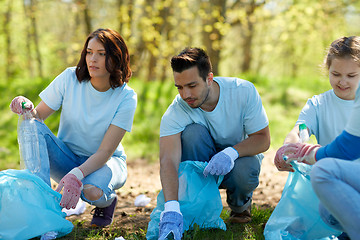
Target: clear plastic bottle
{"type": "Point", "coordinates": [303, 133]}
{"type": "Point", "coordinates": [303, 168]}
{"type": "Point", "coordinates": [28, 143]}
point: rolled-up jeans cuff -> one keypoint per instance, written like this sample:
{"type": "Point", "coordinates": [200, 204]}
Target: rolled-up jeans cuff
{"type": "Point", "coordinates": [238, 209]}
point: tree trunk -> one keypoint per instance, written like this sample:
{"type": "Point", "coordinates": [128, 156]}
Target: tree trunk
{"type": "Point", "coordinates": [36, 37]}
{"type": "Point", "coordinates": [9, 54]}
{"type": "Point", "coordinates": [28, 41]}
{"type": "Point", "coordinates": [212, 38]}
{"type": "Point", "coordinates": [84, 7]}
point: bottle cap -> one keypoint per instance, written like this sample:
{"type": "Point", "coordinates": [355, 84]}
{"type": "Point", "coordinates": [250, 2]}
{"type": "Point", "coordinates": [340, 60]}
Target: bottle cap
{"type": "Point", "coordinates": [302, 126]}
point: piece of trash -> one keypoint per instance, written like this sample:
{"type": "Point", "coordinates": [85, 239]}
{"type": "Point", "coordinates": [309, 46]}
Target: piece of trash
{"type": "Point", "coordinates": [142, 200]}
{"type": "Point", "coordinates": [49, 235]}
{"type": "Point", "coordinates": [119, 238]}
{"type": "Point", "coordinates": [79, 209]}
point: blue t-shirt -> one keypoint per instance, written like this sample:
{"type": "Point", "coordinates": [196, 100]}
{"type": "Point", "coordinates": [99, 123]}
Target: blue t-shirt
{"type": "Point", "coordinates": [347, 145]}
{"type": "Point", "coordinates": [326, 116]}
{"type": "Point", "coordinates": [238, 113]}
{"type": "Point", "coordinates": [86, 113]}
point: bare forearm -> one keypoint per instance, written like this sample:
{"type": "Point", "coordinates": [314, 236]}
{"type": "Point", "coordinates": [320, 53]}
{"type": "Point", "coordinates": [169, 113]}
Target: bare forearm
{"type": "Point", "coordinates": [254, 144]}
{"type": "Point", "coordinates": [169, 182]}
{"type": "Point", "coordinates": [94, 162]}
{"type": "Point", "coordinates": [293, 136]}
{"type": "Point", "coordinates": [170, 155]}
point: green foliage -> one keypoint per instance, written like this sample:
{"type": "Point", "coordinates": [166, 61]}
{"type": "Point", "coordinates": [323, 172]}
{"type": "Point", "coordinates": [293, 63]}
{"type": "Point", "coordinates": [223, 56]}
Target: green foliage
{"type": "Point", "coordinates": [276, 38]}
{"type": "Point", "coordinates": [153, 99]}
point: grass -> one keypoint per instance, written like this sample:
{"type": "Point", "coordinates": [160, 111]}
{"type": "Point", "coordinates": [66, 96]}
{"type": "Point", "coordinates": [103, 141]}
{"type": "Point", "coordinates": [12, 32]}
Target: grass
{"type": "Point", "coordinates": [283, 99]}
{"type": "Point", "coordinates": [252, 230]}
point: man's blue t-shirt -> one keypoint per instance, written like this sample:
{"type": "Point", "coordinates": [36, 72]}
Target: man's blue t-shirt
{"type": "Point", "coordinates": [238, 113]}
{"type": "Point", "coordinates": [86, 113]}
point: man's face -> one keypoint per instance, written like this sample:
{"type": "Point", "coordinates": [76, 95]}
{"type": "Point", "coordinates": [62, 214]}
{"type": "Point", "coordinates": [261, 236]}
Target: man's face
{"type": "Point", "coordinates": [192, 88]}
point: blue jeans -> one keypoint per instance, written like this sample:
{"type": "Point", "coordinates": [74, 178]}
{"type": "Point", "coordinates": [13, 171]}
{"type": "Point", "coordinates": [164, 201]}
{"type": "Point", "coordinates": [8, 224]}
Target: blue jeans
{"type": "Point", "coordinates": [198, 145]}
{"type": "Point", "coordinates": [57, 160]}
{"type": "Point", "coordinates": [337, 184]}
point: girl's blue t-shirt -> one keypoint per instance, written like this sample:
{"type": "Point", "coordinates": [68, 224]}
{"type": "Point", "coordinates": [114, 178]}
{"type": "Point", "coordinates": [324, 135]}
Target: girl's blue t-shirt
{"type": "Point", "coordinates": [326, 116]}
{"type": "Point", "coordinates": [239, 112]}
{"type": "Point", "coordinates": [347, 144]}
{"type": "Point", "coordinates": [86, 113]}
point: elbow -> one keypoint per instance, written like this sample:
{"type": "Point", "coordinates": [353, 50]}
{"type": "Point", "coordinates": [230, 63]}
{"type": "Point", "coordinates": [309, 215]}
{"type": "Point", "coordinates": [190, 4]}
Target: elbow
{"type": "Point", "coordinates": [267, 146]}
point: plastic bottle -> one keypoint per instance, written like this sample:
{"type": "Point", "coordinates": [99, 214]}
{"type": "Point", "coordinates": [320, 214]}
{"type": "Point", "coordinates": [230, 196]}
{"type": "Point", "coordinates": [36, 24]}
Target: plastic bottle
{"type": "Point", "coordinates": [303, 168]}
{"type": "Point", "coordinates": [28, 142]}
{"type": "Point", "coordinates": [303, 133]}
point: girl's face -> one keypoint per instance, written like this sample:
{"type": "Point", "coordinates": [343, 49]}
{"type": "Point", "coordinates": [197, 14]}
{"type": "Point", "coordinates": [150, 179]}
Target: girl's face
{"type": "Point", "coordinates": [344, 75]}
{"type": "Point", "coordinates": [95, 61]}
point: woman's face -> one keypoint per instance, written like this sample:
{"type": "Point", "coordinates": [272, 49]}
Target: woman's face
{"type": "Point", "coordinates": [344, 75]}
{"type": "Point", "coordinates": [95, 60]}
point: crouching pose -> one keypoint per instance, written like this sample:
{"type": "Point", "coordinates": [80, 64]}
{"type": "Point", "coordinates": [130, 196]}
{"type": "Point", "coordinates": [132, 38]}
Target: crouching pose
{"type": "Point", "coordinates": [219, 120]}
{"type": "Point", "coordinates": [97, 108]}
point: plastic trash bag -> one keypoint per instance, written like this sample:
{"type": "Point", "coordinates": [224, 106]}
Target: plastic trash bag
{"type": "Point", "coordinates": [199, 198]}
{"type": "Point", "coordinates": [29, 207]}
{"type": "Point", "coordinates": [296, 216]}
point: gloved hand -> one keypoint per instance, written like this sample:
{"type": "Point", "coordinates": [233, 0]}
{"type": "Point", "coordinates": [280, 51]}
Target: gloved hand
{"type": "Point", "coordinates": [279, 160]}
{"type": "Point", "coordinates": [72, 185]}
{"type": "Point", "coordinates": [303, 152]}
{"type": "Point", "coordinates": [222, 162]}
{"type": "Point", "coordinates": [17, 104]}
{"type": "Point", "coordinates": [171, 223]}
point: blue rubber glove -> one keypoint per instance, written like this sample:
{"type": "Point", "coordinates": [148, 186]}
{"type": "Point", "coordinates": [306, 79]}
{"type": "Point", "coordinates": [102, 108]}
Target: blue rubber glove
{"type": "Point", "coordinates": [222, 162]}
{"type": "Point", "coordinates": [171, 226]}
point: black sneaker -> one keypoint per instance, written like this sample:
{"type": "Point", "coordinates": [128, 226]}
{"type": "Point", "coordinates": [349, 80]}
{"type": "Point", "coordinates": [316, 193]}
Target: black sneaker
{"type": "Point", "coordinates": [343, 236]}
{"type": "Point", "coordinates": [103, 216]}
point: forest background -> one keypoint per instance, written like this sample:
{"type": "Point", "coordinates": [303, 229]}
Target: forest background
{"type": "Point", "coordinates": [279, 45]}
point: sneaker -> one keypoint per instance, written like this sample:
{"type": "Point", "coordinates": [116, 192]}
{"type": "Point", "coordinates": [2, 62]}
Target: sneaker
{"type": "Point", "coordinates": [343, 236]}
{"type": "Point", "coordinates": [103, 216]}
{"type": "Point", "coordinates": [243, 217]}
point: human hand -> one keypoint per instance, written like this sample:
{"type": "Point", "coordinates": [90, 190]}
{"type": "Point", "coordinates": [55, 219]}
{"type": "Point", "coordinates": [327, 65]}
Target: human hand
{"type": "Point", "coordinates": [222, 162]}
{"type": "Point", "coordinates": [279, 160]}
{"type": "Point", "coordinates": [20, 105]}
{"type": "Point", "coordinates": [72, 185]}
{"type": "Point", "coordinates": [171, 223]}
{"type": "Point", "coordinates": [303, 152]}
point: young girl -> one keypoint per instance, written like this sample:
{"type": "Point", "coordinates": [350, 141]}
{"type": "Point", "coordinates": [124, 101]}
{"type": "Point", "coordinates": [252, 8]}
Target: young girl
{"type": "Point", "coordinates": [343, 62]}
{"type": "Point", "coordinates": [87, 158]}
{"type": "Point", "coordinates": [326, 114]}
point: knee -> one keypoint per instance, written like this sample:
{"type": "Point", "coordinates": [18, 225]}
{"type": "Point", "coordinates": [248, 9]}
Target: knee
{"type": "Point", "coordinates": [247, 181]}
{"type": "Point", "coordinates": [193, 132]}
{"type": "Point", "coordinates": [92, 193]}
{"type": "Point", "coordinates": [322, 171]}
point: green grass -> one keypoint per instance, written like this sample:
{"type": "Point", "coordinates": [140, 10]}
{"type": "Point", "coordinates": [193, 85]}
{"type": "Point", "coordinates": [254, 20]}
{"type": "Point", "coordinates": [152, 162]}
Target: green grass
{"type": "Point", "coordinates": [252, 230]}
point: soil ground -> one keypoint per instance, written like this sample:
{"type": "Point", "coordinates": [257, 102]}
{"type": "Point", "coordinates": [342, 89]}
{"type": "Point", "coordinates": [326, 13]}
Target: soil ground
{"type": "Point", "coordinates": [143, 178]}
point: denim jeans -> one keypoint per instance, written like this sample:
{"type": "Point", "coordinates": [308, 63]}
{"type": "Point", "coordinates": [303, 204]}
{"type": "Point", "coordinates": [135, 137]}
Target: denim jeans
{"type": "Point", "coordinates": [57, 160]}
{"type": "Point", "coordinates": [337, 184]}
{"type": "Point", "coordinates": [198, 145]}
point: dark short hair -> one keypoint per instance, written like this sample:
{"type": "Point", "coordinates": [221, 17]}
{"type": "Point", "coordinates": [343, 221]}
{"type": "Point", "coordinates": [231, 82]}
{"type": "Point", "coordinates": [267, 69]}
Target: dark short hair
{"type": "Point", "coordinates": [190, 57]}
{"type": "Point", "coordinates": [117, 61]}
{"type": "Point", "coordinates": [342, 48]}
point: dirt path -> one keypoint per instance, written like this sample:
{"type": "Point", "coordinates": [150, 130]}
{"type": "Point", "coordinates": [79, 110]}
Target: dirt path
{"type": "Point", "coordinates": [143, 178]}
